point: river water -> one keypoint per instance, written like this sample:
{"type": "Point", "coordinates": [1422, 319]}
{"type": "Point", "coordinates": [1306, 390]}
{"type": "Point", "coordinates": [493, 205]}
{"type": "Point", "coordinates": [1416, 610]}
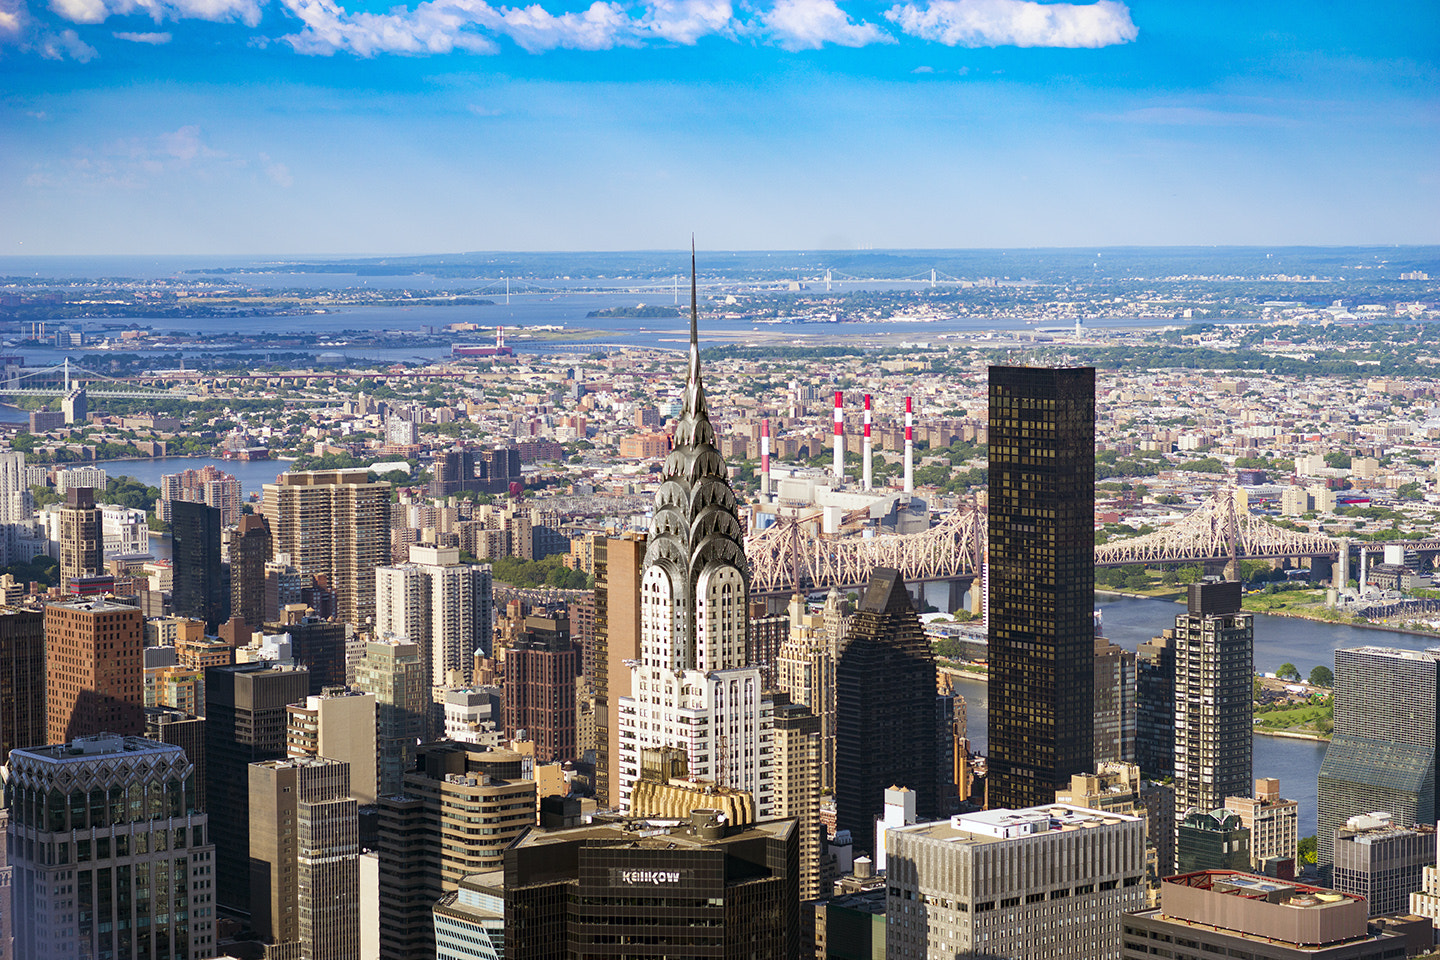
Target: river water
{"type": "Point", "coordinates": [1296, 763]}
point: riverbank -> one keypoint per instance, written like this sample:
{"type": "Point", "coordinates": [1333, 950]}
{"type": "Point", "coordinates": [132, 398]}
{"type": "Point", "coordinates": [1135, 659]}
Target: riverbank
{"type": "Point", "coordinates": [1291, 735]}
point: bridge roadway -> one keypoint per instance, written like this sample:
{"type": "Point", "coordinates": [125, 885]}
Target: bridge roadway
{"type": "Point", "coordinates": [952, 551]}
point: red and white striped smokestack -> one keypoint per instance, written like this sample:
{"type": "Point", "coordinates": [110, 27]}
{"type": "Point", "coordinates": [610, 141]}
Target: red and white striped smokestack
{"type": "Point", "coordinates": [765, 458]}
{"type": "Point", "coordinates": [909, 446]}
{"type": "Point", "coordinates": [866, 454]}
{"type": "Point", "coordinates": [839, 437]}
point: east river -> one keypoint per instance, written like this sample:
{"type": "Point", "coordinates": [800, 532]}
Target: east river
{"type": "Point", "coordinates": [1296, 763]}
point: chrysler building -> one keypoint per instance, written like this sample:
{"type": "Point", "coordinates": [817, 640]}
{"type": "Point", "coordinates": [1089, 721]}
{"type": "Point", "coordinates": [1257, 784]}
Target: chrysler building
{"type": "Point", "coordinates": [691, 687]}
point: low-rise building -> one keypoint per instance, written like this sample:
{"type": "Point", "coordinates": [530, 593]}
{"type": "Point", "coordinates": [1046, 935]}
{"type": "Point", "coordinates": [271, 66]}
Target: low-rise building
{"type": "Point", "coordinates": [1215, 913]}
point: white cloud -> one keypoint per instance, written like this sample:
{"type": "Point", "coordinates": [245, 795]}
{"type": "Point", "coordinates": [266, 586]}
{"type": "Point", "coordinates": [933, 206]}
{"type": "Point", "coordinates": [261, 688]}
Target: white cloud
{"type": "Point", "coordinates": [155, 39]}
{"type": "Point", "coordinates": [1015, 23]}
{"type": "Point", "coordinates": [432, 27]}
{"type": "Point", "coordinates": [134, 163]}
{"type": "Point", "coordinates": [440, 26]}
{"type": "Point", "coordinates": [65, 45]}
{"type": "Point", "coordinates": [810, 24]}
{"type": "Point", "coordinates": [97, 11]}
{"type": "Point", "coordinates": [13, 16]}
{"type": "Point", "coordinates": [686, 21]}
{"type": "Point", "coordinates": [600, 27]}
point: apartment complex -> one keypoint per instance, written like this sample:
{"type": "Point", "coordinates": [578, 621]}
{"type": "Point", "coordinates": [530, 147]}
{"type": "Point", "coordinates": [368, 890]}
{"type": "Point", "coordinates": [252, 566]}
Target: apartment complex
{"type": "Point", "coordinates": [333, 523]}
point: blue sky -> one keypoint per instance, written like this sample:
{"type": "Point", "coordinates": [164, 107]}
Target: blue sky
{"type": "Point", "coordinates": [351, 126]}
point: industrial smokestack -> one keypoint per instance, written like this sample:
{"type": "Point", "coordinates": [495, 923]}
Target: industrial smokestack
{"type": "Point", "coordinates": [909, 446]}
{"type": "Point", "coordinates": [839, 437]}
{"type": "Point", "coordinates": [765, 458]}
{"type": "Point", "coordinates": [866, 453]}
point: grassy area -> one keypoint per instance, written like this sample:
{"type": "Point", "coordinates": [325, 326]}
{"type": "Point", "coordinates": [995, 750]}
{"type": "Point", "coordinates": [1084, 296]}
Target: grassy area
{"type": "Point", "coordinates": [1306, 718]}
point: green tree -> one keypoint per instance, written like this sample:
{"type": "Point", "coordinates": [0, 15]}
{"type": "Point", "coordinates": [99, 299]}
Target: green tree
{"type": "Point", "coordinates": [1322, 676]}
{"type": "Point", "coordinates": [1307, 849]}
{"type": "Point", "coordinates": [1288, 671]}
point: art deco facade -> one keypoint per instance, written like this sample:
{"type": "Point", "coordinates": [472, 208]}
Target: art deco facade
{"type": "Point", "coordinates": [1041, 580]}
{"type": "Point", "coordinates": [691, 686]}
{"type": "Point", "coordinates": [1382, 755]}
{"type": "Point", "coordinates": [335, 523]}
{"type": "Point", "coordinates": [110, 857]}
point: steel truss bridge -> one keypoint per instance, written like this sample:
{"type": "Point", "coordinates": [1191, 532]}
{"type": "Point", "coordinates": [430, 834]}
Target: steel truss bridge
{"type": "Point", "coordinates": [953, 549]}
{"type": "Point", "coordinates": [59, 380]}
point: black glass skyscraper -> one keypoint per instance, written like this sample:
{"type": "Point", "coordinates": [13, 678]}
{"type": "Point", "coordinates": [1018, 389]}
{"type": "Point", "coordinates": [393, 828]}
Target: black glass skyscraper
{"type": "Point", "coordinates": [1042, 581]}
{"type": "Point", "coordinates": [200, 588]}
{"type": "Point", "coordinates": [886, 719]}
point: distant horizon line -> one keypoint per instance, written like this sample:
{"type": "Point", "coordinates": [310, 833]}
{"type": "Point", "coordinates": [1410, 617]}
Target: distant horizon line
{"type": "Point", "coordinates": [291, 256]}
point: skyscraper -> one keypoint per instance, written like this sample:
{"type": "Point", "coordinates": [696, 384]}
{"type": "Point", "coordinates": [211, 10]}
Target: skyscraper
{"type": "Point", "coordinates": [200, 590]}
{"type": "Point", "coordinates": [392, 671]}
{"type": "Point", "coordinates": [1076, 871]}
{"type": "Point", "coordinates": [17, 508]}
{"type": "Point", "coordinates": [1155, 706]}
{"type": "Point", "coordinates": [1382, 755]}
{"type": "Point", "coordinates": [619, 563]}
{"type": "Point", "coordinates": [540, 671]}
{"type": "Point", "coordinates": [441, 604]}
{"type": "Point", "coordinates": [426, 849]}
{"type": "Point", "coordinates": [340, 725]}
{"type": "Point", "coordinates": [127, 876]}
{"type": "Point", "coordinates": [244, 723]}
{"type": "Point", "coordinates": [249, 552]}
{"type": "Point", "coordinates": [22, 679]}
{"type": "Point", "coordinates": [797, 784]}
{"type": "Point", "coordinates": [305, 858]}
{"type": "Point", "coordinates": [94, 674]}
{"type": "Point", "coordinates": [82, 543]}
{"type": "Point", "coordinates": [1214, 698]}
{"type": "Point", "coordinates": [1114, 703]}
{"type": "Point", "coordinates": [887, 724]}
{"type": "Point", "coordinates": [691, 686]}
{"type": "Point", "coordinates": [1041, 581]}
{"type": "Point", "coordinates": [334, 523]}
{"type": "Point", "coordinates": [805, 669]}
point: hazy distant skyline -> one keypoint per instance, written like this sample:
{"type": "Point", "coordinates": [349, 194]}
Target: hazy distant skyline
{"type": "Point", "coordinates": [235, 127]}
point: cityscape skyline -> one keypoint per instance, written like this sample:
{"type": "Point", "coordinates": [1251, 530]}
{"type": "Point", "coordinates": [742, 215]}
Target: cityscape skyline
{"type": "Point", "coordinates": [542, 653]}
{"type": "Point", "coordinates": [461, 126]}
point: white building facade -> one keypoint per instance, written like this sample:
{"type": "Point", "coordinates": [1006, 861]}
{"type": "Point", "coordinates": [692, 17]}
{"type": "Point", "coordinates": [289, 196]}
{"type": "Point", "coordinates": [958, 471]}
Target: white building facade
{"type": "Point", "coordinates": [691, 687]}
{"type": "Point", "coordinates": [444, 606]}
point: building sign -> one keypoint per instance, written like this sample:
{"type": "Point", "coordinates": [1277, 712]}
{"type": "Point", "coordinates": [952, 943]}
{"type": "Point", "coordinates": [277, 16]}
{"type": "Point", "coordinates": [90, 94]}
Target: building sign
{"type": "Point", "coordinates": [648, 878]}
